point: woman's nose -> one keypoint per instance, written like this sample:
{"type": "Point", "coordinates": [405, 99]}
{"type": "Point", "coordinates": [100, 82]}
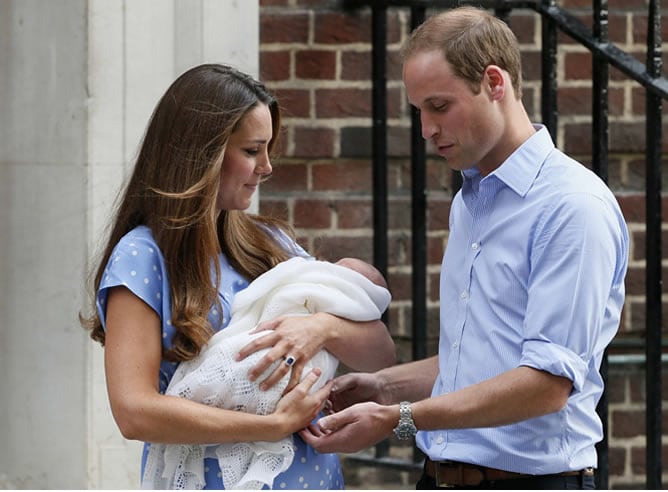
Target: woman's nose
{"type": "Point", "coordinates": [263, 165]}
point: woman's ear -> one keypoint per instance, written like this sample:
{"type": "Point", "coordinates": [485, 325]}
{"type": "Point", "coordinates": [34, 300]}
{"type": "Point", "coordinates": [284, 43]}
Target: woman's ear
{"type": "Point", "coordinates": [495, 81]}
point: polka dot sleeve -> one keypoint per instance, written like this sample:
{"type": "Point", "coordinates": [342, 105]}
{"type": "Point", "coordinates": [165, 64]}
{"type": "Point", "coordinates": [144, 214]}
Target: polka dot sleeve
{"type": "Point", "coordinates": [137, 264]}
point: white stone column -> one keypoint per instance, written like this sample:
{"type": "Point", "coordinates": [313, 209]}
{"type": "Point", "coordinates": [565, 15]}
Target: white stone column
{"type": "Point", "coordinates": [78, 82]}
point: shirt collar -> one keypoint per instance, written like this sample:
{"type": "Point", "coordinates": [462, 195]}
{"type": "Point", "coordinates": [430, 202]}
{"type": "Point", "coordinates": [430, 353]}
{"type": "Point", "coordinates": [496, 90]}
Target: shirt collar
{"type": "Point", "coordinates": [520, 169]}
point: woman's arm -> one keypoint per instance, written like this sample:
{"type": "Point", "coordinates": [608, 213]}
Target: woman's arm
{"type": "Point", "coordinates": [132, 364]}
{"type": "Point", "coordinates": [362, 346]}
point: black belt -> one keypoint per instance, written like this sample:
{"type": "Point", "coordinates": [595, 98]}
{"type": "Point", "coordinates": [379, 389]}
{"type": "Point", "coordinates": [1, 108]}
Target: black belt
{"type": "Point", "coordinates": [453, 473]}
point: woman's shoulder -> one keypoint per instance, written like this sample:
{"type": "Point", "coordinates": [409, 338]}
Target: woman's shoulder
{"type": "Point", "coordinates": [284, 239]}
{"type": "Point", "coordinates": [137, 264]}
{"type": "Point", "coordinates": [137, 253]}
{"type": "Point", "coordinates": [136, 241]}
{"type": "Point", "coordinates": [140, 235]}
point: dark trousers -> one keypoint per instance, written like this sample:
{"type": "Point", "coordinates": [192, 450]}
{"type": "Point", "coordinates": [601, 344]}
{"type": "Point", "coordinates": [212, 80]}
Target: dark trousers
{"type": "Point", "coordinates": [541, 482]}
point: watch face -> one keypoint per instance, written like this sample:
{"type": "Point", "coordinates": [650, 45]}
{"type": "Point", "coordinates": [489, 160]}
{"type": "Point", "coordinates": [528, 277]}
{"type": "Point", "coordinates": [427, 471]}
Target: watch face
{"type": "Point", "coordinates": [405, 430]}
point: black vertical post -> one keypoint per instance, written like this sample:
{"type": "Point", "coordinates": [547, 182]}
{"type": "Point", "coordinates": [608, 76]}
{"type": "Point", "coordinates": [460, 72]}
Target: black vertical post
{"type": "Point", "coordinates": [653, 254]}
{"type": "Point", "coordinates": [419, 229]}
{"type": "Point", "coordinates": [600, 93]}
{"type": "Point", "coordinates": [549, 70]}
{"type": "Point", "coordinates": [379, 144]}
{"type": "Point", "coordinates": [379, 136]}
{"type": "Point", "coordinates": [418, 221]}
{"type": "Point", "coordinates": [600, 133]}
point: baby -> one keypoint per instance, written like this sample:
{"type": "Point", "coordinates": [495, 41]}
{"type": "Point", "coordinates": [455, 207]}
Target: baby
{"type": "Point", "coordinates": [350, 288]}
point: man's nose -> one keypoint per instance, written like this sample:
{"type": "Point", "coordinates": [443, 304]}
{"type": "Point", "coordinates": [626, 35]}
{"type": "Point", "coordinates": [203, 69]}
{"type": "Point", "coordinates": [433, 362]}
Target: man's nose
{"type": "Point", "coordinates": [429, 127]}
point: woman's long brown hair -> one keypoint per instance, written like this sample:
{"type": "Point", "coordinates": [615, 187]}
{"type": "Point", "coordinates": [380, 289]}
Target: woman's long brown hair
{"type": "Point", "coordinates": [173, 191]}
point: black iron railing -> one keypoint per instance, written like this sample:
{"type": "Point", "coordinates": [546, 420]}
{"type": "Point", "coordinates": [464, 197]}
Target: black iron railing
{"type": "Point", "coordinates": [604, 54]}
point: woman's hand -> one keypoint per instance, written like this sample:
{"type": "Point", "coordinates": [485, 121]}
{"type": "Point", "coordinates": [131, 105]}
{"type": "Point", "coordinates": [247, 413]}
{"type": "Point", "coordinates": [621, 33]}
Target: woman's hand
{"type": "Point", "coordinates": [360, 345]}
{"type": "Point", "coordinates": [293, 339]}
{"type": "Point", "coordinates": [298, 407]}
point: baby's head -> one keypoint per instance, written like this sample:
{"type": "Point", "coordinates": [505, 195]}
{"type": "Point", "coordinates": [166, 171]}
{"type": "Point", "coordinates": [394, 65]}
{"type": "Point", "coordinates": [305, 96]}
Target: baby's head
{"type": "Point", "coordinates": [364, 268]}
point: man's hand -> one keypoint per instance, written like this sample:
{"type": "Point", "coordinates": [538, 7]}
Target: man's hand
{"type": "Point", "coordinates": [356, 387]}
{"type": "Point", "coordinates": [352, 429]}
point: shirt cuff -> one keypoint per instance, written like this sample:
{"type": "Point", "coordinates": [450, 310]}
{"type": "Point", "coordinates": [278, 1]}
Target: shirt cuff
{"type": "Point", "coordinates": [555, 359]}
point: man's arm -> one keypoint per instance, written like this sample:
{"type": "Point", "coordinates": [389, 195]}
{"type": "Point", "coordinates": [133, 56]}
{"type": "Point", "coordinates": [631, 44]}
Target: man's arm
{"type": "Point", "coordinates": [411, 381]}
{"type": "Point", "coordinates": [514, 396]}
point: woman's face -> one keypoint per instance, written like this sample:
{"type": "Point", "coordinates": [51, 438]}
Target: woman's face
{"type": "Point", "coordinates": [246, 160]}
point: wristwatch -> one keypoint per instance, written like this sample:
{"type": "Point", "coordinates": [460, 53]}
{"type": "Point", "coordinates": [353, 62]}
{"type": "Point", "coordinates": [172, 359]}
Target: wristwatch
{"type": "Point", "coordinates": [405, 429]}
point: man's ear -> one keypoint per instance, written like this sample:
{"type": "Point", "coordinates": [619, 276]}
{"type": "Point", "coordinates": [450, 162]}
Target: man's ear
{"type": "Point", "coordinates": [495, 81]}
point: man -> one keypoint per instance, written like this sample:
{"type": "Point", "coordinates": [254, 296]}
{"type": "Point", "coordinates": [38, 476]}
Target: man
{"type": "Point", "coordinates": [532, 286]}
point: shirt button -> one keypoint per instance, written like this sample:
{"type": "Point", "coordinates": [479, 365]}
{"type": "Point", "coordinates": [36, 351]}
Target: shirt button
{"type": "Point", "coordinates": [455, 345]}
{"type": "Point", "coordinates": [463, 295]}
{"type": "Point", "coordinates": [439, 440]}
{"type": "Point", "coordinates": [474, 246]}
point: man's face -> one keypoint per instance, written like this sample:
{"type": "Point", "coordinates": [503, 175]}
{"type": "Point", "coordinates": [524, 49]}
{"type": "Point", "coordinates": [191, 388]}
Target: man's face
{"type": "Point", "coordinates": [464, 127]}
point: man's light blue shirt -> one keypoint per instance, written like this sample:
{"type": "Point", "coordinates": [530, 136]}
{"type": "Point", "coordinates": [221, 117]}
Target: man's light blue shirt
{"type": "Point", "coordinates": [533, 275]}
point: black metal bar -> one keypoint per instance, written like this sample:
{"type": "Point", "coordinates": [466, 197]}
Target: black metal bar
{"type": "Point", "coordinates": [653, 254]}
{"type": "Point", "coordinates": [419, 230]}
{"type": "Point", "coordinates": [634, 344]}
{"type": "Point", "coordinates": [418, 222]}
{"type": "Point", "coordinates": [379, 144]}
{"type": "Point", "coordinates": [549, 71]}
{"type": "Point", "coordinates": [379, 137]}
{"type": "Point", "coordinates": [621, 60]}
{"type": "Point", "coordinates": [600, 94]}
{"type": "Point", "coordinates": [600, 132]}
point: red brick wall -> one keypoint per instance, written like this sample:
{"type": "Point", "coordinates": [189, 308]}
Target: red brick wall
{"type": "Point", "coordinates": [317, 59]}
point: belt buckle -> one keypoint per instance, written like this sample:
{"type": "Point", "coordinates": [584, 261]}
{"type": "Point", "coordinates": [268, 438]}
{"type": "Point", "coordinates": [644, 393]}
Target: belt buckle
{"type": "Point", "coordinates": [452, 465]}
{"type": "Point", "coordinates": [437, 478]}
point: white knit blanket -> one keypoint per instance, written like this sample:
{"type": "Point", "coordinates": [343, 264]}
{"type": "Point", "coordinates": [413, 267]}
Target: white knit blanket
{"type": "Point", "coordinates": [297, 287]}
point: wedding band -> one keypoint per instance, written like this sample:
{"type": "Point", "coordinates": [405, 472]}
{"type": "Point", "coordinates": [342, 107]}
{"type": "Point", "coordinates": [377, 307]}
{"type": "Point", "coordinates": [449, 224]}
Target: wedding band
{"type": "Point", "coordinates": [290, 360]}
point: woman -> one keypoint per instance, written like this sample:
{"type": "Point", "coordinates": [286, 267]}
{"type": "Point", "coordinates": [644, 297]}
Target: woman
{"type": "Point", "coordinates": [350, 288]}
{"type": "Point", "coordinates": [180, 247]}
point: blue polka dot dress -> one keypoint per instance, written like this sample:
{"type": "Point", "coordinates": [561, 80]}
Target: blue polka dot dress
{"type": "Point", "coordinates": [137, 263]}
